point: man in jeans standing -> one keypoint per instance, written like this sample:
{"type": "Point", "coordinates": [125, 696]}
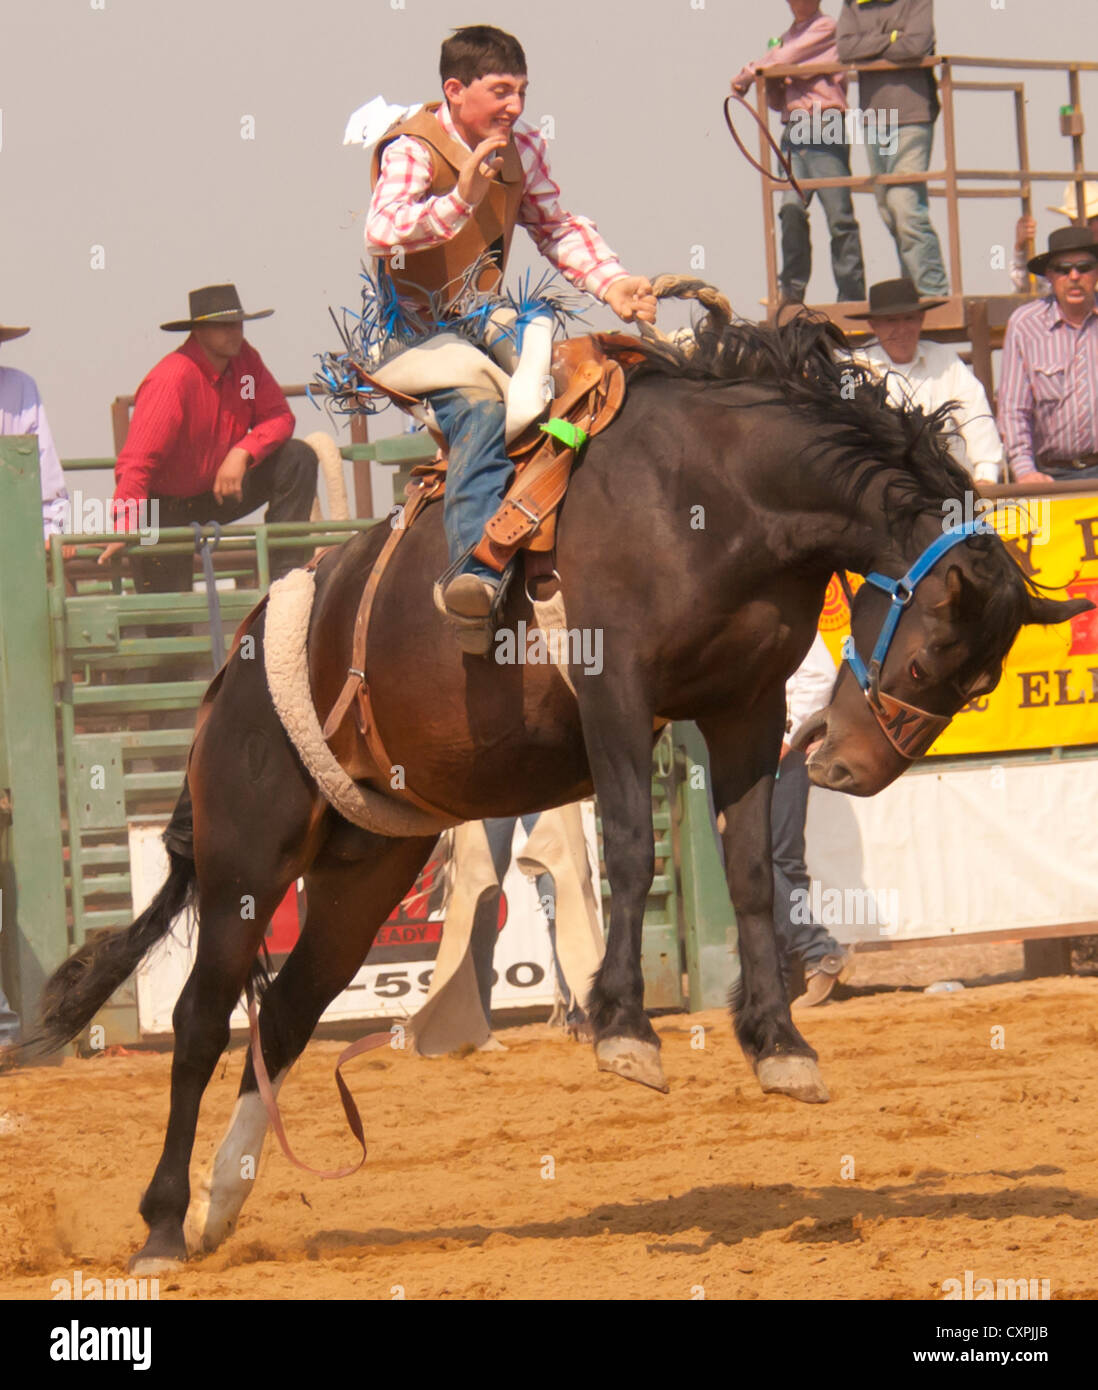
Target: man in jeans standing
{"type": "Point", "coordinates": [811, 39]}
{"type": "Point", "coordinates": [899, 31]}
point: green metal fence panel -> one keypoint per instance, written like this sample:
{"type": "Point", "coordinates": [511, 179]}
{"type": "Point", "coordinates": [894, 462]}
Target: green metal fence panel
{"type": "Point", "coordinates": [34, 934]}
{"type": "Point", "coordinates": [710, 936]}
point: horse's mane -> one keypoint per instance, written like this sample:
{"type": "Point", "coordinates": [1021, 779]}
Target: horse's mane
{"type": "Point", "coordinates": [860, 434]}
{"type": "Point", "coordinates": [808, 362]}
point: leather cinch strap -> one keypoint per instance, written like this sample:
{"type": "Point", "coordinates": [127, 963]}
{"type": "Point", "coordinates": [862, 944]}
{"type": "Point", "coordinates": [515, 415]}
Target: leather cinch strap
{"type": "Point", "coordinates": [356, 675]}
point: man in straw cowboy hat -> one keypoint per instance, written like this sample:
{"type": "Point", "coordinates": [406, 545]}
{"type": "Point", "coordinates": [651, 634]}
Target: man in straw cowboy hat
{"type": "Point", "coordinates": [210, 439]}
{"type": "Point", "coordinates": [929, 374]}
{"type": "Point", "coordinates": [22, 412]}
{"type": "Point", "coordinates": [1026, 231]}
{"type": "Point", "coordinates": [1048, 392]}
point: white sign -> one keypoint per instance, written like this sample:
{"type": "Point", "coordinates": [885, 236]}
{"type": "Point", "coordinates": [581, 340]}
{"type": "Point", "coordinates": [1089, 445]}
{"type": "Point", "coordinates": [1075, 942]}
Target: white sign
{"type": "Point", "coordinates": [397, 975]}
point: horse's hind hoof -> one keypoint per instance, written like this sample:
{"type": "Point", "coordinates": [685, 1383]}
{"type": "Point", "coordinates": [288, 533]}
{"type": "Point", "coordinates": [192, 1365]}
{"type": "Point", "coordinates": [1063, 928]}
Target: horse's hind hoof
{"type": "Point", "coordinates": [788, 1075]}
{"type": "Point", "coordinates": [635, 1060]}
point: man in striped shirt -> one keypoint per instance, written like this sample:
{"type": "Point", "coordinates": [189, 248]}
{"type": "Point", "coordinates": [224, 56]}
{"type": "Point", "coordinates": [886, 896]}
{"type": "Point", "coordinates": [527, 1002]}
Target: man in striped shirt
{"type": "Point", "coordinates": [1048, 397]}
{"type": "Point", "coordinates": [450, 185]}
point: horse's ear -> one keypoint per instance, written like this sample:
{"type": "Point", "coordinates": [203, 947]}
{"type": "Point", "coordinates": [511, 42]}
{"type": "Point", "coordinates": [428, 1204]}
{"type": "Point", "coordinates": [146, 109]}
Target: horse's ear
{"type": "Point", "coordinates": [961, 597]}
{"type": "Point", "coordinates": [1056, 610]}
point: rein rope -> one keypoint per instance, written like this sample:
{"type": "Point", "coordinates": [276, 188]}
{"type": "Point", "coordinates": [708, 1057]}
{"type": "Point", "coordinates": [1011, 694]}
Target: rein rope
{"type": "Point", "coordinates": [783, 158]}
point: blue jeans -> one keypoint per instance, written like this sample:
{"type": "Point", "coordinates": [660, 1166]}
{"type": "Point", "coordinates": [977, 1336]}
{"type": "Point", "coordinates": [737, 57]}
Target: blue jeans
{"type": "Point", "coordinates": [9, 1022]}
{"type": "Point", "coordinates": [905, 208]}
{"type": "Point", "coordinates": [472, 419]}
{"type": "Point", "coordinates": [788, 809]}
{"type": "Point", "coordinates": [821, 162]}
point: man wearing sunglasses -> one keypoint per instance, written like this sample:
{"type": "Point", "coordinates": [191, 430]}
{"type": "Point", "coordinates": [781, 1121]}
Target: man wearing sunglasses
{"type": "Point", "coordinates": [1048, 397]}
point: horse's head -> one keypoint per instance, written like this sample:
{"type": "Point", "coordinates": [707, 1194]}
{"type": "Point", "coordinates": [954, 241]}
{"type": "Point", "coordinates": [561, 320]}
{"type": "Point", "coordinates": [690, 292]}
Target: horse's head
{"type": "Point", "coordinates": [921, 648]}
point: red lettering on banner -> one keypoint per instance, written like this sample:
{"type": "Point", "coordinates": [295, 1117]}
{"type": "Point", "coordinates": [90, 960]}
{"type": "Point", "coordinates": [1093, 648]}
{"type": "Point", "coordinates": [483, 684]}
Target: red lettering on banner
{"type": "Point", "coordinates": [1084, 626]}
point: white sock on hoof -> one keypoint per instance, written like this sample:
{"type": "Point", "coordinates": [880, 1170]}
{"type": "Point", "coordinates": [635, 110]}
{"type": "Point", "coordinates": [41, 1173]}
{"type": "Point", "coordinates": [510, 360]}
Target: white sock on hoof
{"type": "Point", "coordinates": [216, 1205]}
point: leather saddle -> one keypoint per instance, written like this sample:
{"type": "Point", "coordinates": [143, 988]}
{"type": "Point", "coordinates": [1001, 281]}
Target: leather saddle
{"type": "Point", "coordinates": [589, 386]}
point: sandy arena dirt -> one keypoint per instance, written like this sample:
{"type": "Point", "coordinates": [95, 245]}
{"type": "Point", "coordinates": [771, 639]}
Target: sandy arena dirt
{"type": "Point", "coordinates": [527, 1174]}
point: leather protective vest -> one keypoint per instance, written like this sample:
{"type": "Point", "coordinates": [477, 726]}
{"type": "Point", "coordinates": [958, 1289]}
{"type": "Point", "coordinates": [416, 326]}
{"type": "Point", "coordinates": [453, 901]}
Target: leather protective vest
{"type": "Point", "coordinates": [489, 229]}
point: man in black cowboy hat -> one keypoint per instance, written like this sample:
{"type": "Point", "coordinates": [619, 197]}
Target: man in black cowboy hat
{"type": "Point", "coordinates": [1048, 393]}
{"type": "Point", "coordinates": [210, 439]}
{"type": "Point", "coordinates": [929, 374]}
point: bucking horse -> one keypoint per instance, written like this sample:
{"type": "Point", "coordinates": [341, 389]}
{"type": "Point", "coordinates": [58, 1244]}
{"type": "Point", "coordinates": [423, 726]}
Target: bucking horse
{"type": "Point", "coordinates": [698, 537]}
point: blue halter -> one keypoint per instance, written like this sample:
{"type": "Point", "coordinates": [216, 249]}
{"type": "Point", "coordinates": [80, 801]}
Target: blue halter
{"type": "Point", "coordinates": [902, 591]}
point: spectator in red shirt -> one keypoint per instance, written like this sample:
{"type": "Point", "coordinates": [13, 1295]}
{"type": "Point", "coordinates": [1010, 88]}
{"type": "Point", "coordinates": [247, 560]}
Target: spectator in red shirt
{"type": "Point", "coordinates": [210, 440]}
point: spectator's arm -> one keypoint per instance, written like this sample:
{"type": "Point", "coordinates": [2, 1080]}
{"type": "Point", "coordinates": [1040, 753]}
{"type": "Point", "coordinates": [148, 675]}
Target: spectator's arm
{"type": "Point", "coordinates": [860, 37]}
{"type": "Point", "coordinates": [273, 421]}
{"type": "Point", "coordinates": [54, 495]}
{"type": "Point", "coordinates": [157, 420]}
{"type": "Point", "coordinates": [1016, 408]}
{"type": "Point", "coordinates": [1019, 275]}
{"type": "Point", "coordinates": [809, 687]}
{"type": "Point", "coordinates": [983, 446]}
{"type": "Point", "coordinates": [914, 32]}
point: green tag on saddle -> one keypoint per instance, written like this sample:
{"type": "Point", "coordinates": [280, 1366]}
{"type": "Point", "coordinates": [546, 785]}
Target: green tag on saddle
{"type": "Point", "coordinates": [569, 435]}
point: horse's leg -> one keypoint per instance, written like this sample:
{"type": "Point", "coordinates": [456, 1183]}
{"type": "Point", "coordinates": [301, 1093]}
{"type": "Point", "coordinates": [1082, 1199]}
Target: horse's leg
{"type": "Point", "coordinates": [347, 903]}
{"type": "Point", "coordinates": [227, 947]}
{"type": "Point", "coordinates": [743, 757]}
{"type": "Point", "coordinates": [619, 751]}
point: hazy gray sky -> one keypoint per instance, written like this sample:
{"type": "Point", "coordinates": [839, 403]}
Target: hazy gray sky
{"type": "Point", "coordinates": [121, 129]}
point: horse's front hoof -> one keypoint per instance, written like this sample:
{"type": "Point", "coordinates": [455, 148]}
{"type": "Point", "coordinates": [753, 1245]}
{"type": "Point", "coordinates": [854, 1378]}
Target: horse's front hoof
{"type": "Point", "coordinates": [797, 1077]}
{"type": "Point", "coordinates": [142, 1264]}
{"type": "Point", "coordinates": [161, 1254]}
{"type": "Point", "coordinates": [636, 1061]}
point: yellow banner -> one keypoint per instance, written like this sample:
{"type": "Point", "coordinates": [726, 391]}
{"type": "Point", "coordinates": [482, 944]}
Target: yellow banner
{"type": "Point", "coordinates": [1048, 696]}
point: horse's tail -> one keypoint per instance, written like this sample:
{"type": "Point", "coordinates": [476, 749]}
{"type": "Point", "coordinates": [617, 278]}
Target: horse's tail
{"type": "Point", "coordinates": [76, 990]}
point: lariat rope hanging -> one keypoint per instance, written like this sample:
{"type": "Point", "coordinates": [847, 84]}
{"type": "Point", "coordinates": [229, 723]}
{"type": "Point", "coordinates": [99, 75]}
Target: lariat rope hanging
{"type": "Point", "coordinates": [783, 158]}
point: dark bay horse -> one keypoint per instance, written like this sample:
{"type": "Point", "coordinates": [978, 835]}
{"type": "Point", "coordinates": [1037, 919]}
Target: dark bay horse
{"type": "Point", "coordinates": [698, 537]}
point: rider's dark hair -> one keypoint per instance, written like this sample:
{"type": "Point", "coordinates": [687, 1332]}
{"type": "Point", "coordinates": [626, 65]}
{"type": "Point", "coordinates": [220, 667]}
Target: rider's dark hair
{"type": "Point", "coordinates": [479, 49]}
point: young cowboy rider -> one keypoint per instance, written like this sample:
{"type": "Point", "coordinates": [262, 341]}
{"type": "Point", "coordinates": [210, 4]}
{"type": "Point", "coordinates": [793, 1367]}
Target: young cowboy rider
{"type": "Point", "coordinates": [450, 184]}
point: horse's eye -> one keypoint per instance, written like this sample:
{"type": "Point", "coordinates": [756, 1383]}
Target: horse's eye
{"type": "Point", "coordinates": [917, 672]}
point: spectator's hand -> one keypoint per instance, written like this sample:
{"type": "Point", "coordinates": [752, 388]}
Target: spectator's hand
{"type": "Point", "coordinates": [479, 171]}
{"type": "Point", "coordinates": [68, 552]}
{"type": "Point", "coordinates": [740, 85]}
{"type": "Point", "coordinates": [1026, 230]}
{"type": "Point", "coordinates": [631, 298]}
{"type": "Point", "coordinates": [109, 552]}
{"type": "Point", "coordinates": [230, 476]}
{"type": "Point", "coordinates": [1036, 477]}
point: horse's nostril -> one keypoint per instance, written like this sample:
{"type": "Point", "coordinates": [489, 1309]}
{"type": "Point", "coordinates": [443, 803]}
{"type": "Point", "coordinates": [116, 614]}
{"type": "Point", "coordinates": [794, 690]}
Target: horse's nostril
{"type": "Point", "coordinates": [839, 776]}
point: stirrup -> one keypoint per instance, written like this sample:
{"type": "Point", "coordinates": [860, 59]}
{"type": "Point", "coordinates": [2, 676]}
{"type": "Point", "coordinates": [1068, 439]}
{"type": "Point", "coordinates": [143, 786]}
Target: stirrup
{"type": "Point", "coordinates": [475, 635]}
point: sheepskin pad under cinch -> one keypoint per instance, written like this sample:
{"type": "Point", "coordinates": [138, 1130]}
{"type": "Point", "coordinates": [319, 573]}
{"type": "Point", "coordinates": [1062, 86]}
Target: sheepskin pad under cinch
{"type": "Point", "coordinates": [285, 660]}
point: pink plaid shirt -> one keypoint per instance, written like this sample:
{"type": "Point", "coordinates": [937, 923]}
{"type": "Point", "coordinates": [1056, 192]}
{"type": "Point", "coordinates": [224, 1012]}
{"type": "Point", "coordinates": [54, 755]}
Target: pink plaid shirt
{"type": "Point", "coordinates": [401, 215]}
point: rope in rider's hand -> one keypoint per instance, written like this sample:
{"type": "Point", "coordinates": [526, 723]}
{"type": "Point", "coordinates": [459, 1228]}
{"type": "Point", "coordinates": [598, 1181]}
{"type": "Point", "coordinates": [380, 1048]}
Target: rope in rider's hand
{"type": "Point", "coordinates": [783, 158]}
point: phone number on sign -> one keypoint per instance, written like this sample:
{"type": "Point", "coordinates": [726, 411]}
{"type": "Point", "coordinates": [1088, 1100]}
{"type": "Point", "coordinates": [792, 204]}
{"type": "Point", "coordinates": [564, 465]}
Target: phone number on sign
{"type": "Point", "coordinates": [388, 986]}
